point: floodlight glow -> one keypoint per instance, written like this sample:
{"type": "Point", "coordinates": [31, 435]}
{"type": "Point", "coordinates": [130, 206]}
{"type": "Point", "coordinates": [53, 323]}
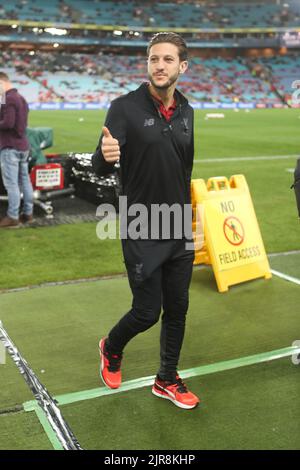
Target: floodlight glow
{"type": "Point", "coordinates": [56, 31]}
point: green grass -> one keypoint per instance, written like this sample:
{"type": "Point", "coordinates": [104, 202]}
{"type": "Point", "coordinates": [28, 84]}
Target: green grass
{"type": "Point", "coordinates": [259, 132]}
{"type": "Point", "coordinates": [22, 431]}
{"type": "Point", "coordinates": [70, 134]}
{"type": "Point", "coordinates": [33, 256]}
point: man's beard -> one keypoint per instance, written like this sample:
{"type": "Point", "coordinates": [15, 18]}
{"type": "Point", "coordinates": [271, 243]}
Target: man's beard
{"type": "Point", "coordinates": [166, 85]}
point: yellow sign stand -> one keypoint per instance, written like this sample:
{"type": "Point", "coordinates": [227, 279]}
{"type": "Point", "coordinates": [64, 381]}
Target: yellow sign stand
{"type": "Point", "coordinates": [226, 232]}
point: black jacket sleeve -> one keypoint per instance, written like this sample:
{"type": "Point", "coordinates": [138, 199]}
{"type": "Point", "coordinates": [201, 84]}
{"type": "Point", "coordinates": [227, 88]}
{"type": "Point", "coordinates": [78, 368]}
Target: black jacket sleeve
{"type": "Point", "coordinates": [116, 123]}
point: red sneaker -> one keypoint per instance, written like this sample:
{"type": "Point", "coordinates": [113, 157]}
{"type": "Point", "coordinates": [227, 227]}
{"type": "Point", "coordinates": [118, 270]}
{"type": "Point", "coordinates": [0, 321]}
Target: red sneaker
{"type": "Point", "coordinates": [176, 391]}
{"type": "Point", "coordinates": [110, 365]}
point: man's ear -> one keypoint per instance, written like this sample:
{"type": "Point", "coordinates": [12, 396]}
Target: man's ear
{"type": "Point", "coordinates": [183, 66]}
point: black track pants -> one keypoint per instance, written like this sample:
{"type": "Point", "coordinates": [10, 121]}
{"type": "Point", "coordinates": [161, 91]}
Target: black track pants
{"type": "Point", "coordinates": [159, 273]}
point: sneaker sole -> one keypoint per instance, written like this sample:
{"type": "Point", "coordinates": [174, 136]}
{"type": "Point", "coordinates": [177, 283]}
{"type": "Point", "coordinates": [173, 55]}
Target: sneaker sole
{"type": "Point", "coordinates": [177, 403]}
{"type": "Point", "coordinates": [102, 367]}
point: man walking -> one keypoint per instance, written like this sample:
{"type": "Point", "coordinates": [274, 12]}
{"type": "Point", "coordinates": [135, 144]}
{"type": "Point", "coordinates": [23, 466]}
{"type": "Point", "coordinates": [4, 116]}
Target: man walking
{"type": "Point", "coordinates": [14, 152]}
{"type": "Point", "coordinates": [150, 131]}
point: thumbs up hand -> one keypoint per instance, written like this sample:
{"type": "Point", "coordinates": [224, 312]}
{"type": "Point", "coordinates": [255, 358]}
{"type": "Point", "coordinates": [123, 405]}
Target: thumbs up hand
{"type": "Point", "coordinates": [110, 147]}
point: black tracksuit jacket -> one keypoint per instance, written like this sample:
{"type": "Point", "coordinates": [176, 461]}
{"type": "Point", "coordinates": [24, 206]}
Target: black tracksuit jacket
{"type": "Point", "coordinates": [156, 155]}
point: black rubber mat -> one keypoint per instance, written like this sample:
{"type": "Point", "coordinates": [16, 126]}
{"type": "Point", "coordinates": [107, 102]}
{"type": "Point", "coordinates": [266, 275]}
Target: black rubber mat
{"type": "Point", "coordinates": [66, 210]}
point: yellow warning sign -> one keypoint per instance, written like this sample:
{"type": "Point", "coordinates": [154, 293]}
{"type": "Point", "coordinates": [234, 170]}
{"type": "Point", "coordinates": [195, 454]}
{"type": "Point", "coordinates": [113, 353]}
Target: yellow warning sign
{"type": "Point", "coordinates": [226, 231]}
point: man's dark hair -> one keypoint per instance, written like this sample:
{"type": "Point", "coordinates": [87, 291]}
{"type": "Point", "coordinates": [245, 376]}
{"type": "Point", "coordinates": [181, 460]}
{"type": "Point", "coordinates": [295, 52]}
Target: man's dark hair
{"type": "Point", "coordinates": [4, 77]}
{"type": "Point", "coordinates": [172, 38]}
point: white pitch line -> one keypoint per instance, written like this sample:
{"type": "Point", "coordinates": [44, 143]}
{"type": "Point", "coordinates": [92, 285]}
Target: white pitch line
{"type": "Point", "coordinates": [286, 277]}
{"type": "Point", "coordinates": [114, 276]}
{"type": "Point", "coordinates": [284, 253]}
{"type": "Point", "coordinates": [241, 159]}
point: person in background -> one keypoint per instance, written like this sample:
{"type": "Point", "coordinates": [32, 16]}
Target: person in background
{"type": "Point", "coordinates": [14, 153]}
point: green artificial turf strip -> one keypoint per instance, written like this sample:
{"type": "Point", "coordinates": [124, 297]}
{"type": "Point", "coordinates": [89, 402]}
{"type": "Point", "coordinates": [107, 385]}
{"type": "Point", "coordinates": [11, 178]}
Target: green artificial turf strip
{"type": "Point", "coordinates": [22, 431]}
{"type": "Point", "coordinates": [249, 408]}
{"type": "Point", "coordinates": [57, 329]}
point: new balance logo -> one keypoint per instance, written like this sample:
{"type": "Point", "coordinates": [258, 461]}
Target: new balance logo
{"type": "Point", "coordinates": [149, 122]}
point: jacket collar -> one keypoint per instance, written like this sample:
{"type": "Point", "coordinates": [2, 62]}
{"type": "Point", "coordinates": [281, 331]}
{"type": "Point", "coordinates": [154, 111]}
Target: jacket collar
{"type": "Point", "coordinates": [143, 93]}
{"type": "Point", "coordinates": [11, 90]}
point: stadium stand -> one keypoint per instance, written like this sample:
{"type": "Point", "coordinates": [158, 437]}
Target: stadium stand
{"type": "Point", "coordinates": [100, 78]}
{"type": "Point", "coordinates": [169, 14]}
{"type": "Point", "coordinates": [284, 71]}
{"type": "Point", "coordinates": [93, 75]}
